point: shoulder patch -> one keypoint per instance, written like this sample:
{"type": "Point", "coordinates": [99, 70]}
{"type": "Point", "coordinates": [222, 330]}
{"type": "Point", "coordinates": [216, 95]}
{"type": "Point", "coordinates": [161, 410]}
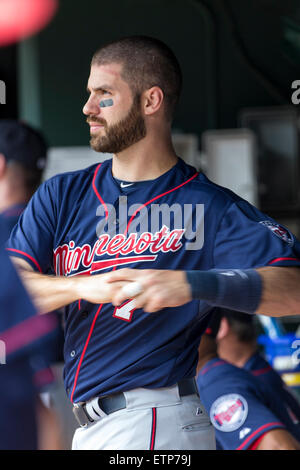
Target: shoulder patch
{"type": "Point", "coordinates": [229, 412]}
{"type": "Point", "coordinates": [279, 231]}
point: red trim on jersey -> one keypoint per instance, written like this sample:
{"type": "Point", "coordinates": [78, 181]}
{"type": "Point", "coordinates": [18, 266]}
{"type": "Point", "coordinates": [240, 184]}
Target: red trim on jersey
{"type": "Point", "coordinates": [256, 443]}
{"type": "Point", "coordinates": [154, 199]}
{"type": "Point", "coordinates": [28, 256]}
{"type": "Point", "coordinates": [120, 306]}
{"type": "Point", "coordinates": [98, 311]}
{"type": "Point", "coordinates": [83, 352]}
{"type": "Point", "coordinates": [261, 371]}
{"type": "Point", "coordinates": [153, 429]}
{"type": "Point", "coordinates": [219, 363]}
{"type": "Point", "coordinates": [81, 273]}
{"type": "Point", "coordinates": [284, 259]}
{"type": "Point", "coordinates": [277, 423]}
{"type": "Point", "coordinates": [107, 263]}
{"type": "Point", "coordinates": [96, 191]}
{"type": "Point", "coordinates": [100, 199]}
{"type": "Point", "coordinates": [160, 195]}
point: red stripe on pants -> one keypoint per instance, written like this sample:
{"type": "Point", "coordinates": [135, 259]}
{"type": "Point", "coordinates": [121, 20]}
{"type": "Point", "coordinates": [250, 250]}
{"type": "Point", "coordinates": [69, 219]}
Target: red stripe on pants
{"type": "Point", "coordinates": [153, 430]}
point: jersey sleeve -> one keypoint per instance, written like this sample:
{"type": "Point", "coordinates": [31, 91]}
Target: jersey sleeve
{"type": "Point", "coordinates": [239, 415]}
{"type": "Point", "coordinates": [32, 238]}
{"type": "Point", "coordinates": [247, 238]}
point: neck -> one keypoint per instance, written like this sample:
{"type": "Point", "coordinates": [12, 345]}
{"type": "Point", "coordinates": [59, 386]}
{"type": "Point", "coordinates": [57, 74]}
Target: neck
{"type": "Point", "coordinates": [235, 352]}
{"type": "Point", "coordinates": [204, 359]}
{"type": "Point", "coordinates": [11, 198]}
{"type": "Point", "coordinates": [147, 159]}
{"type": "Point", "coordinates": [207, 350]}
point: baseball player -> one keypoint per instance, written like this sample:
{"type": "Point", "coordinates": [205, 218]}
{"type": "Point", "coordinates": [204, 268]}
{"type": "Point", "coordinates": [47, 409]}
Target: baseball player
{"type": "Point", "coordinates": [32, 343]}
{"type": "Point", "coordinates": [236, 340]}
{"type": "Point", "coordinates": [130, 375]}
{"type": "Point", "coordinates": [247, 414]}
{"type": "Point", "coordinates": [23, 153]}
{"type": "Point", "coordinates": [18, 426]}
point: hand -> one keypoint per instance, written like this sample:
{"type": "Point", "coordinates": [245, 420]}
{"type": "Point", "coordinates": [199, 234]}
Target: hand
{"type": "Point", "coordinates": [96, 289]}
{"type": "Point", "coordinates": [161, 288]}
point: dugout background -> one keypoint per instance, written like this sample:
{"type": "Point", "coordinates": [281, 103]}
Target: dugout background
{"type": "Point", "coordinates": [235, 54]}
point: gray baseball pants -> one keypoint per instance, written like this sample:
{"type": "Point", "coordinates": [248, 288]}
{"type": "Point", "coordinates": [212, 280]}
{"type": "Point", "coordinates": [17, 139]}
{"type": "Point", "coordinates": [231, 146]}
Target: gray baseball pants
{"type": "Point", "coordinates": [152, 420]}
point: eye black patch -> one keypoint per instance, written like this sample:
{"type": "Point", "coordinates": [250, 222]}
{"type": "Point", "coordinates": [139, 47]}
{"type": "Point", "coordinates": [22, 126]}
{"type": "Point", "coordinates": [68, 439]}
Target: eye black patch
{"type": "Point", "coordinates": [106, 103]}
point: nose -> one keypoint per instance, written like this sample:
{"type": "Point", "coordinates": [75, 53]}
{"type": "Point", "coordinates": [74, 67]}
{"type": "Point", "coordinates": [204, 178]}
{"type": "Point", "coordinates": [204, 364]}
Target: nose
{"type": "Point", "coordinates": [91, 107]}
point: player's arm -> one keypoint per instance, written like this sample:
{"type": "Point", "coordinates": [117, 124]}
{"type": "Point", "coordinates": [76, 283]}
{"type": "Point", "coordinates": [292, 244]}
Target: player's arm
{"type": "Point", "coordinates": [281, 291]}
{"type": "Point", "coordinates": [277, 439]}
{"type": "Point", "coordinates": [272, 291]}
{"type": "Point", "coordinates": [50, 293]}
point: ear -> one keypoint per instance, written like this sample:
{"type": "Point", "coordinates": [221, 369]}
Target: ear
{"type": "Point", "coordinates": [152, 100]}
{"type": "Point", "coordinates": [223, 329]}
{"type": "Point", "coordinates": [2, 165]}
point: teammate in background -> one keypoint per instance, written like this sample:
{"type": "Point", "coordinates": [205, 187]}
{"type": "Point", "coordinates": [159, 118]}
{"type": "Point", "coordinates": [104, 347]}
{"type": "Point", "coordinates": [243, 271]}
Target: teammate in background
{"type": "Point", "coordinates": [23, 154]}
{"type": "Point", "coordinates": [246, 413]}
{"type": "Point", "coordinates": [122, 365]}
{"type": "Point", "coordinates": [237, 344]}
{"type": "Point", "coordinates": [18, 425]}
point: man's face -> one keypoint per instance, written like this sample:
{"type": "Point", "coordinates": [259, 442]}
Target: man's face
{"type": "Point", "coordinates": [116, 127]}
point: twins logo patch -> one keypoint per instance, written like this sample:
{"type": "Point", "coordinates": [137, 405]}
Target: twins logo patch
{"type": "Point", "coordinates": [229, 412]}
{"type": "Point", "coordinates": [279, 231]}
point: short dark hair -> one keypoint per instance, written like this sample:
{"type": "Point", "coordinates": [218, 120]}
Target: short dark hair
{"type": "Point", "coordinates": [30, 179]}
{"type": "Point", "coordinates": [146, 62]}
{"type": "Point", "coordinates": [25, 151]}
{"type": "Point", "coordinates": [242, 324]}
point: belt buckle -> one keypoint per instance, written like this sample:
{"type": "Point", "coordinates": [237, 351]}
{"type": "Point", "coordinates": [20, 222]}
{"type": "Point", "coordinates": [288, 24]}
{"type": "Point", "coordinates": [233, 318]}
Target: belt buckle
{"type": "Point", "coordinates": [80, 415]}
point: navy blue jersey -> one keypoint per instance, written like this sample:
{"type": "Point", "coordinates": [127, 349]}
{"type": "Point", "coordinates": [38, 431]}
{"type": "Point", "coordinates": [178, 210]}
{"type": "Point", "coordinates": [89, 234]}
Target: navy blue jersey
{"type": "Point", "coordinates": [241, 408]}
{"type": "Point", "coordinates": [27, 343]}
{"type": "Point", "coordinates": [12, 214]}
{"type": "Point", "coordinates": [18, 426]}
{"type": "Point", "coordinates": [17, 392]}
{"type": "Point", "coordinates": [38, 339]}
{"type": "Point", "coordinates": [75, 225]}
{"type": "Point", "coordinates": [261, 369]}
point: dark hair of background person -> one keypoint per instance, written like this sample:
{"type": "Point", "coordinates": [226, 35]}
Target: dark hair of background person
{"type": "Point", "coordinates": [30, 179]}
{"type": "Point", "coordinates": [242, 325]}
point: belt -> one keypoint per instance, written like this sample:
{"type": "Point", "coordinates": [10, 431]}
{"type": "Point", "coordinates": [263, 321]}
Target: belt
{"type": "Point", "coordinates": [95, 409]}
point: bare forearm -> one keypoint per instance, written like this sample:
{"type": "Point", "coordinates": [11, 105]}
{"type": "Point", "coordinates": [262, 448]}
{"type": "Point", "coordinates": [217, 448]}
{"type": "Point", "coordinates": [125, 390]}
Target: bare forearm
{"type": "Point", "coordinates": [281, 291]}
{"type": "Point", "coordinates": [278, 293]}
{"type": "Point", "coordinates": [278, 439]}
{"type": "Point", "coordinates": [49, 292]}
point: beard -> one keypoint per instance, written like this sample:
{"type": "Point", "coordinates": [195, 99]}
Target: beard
{"type": "Point", "coordinates": [123, 134]}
